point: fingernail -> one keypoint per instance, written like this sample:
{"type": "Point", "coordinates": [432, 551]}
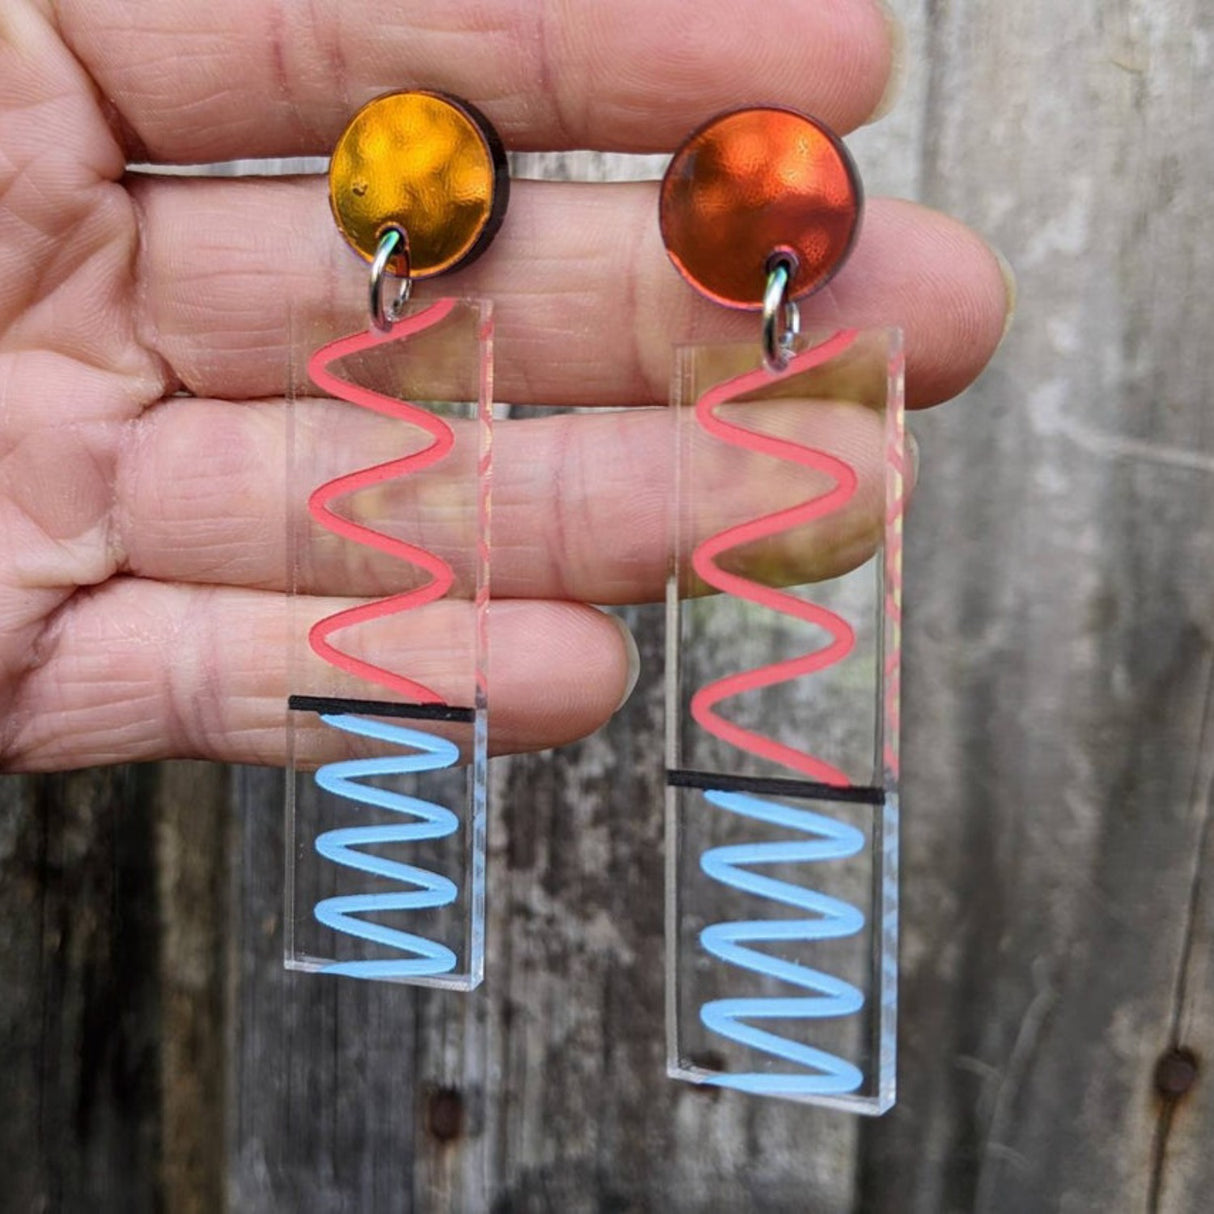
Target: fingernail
{"type": "Point", "coordinates": [634, 660]}
{"type": "Point", "coordinates": [1010, 290]}
{"type": "Point", "coordinates": [897, 63]}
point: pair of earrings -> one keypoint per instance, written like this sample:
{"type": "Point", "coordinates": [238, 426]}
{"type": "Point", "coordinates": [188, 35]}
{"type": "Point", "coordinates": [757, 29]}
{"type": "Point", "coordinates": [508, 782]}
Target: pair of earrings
{"type": "Point", "coordinates": [782, 739]}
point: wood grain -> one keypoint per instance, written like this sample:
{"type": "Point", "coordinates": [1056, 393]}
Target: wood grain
{"type": "Point", "coordinates": [1060, 619]}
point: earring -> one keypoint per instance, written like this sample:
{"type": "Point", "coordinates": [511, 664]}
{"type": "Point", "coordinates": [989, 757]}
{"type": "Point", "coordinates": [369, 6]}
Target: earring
{"type": "Point", "coordinates": [386, 850]}
{"type": "Point", "coordinates": [782, 741]}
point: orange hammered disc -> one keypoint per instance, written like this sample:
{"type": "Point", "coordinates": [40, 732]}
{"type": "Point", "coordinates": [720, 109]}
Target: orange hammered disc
{"type": "Point", "coordinates": [753, 183]}
{"type": "Point", "coordinates": [428, 164]}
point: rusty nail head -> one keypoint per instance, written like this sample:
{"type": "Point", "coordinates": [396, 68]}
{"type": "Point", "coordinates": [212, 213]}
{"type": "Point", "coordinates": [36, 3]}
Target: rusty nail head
{"type": "Point", "coordinates": [445, 1114]}
{"type": "Point", "coordinates": [1176, 1072]}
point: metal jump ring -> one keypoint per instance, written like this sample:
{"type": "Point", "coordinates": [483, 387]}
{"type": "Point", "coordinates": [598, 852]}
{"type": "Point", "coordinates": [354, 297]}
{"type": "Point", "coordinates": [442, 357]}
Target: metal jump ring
{"type": "Point", "coordinates": [781, 316]}
{"type": "Point", "coordinates": [393, 243]}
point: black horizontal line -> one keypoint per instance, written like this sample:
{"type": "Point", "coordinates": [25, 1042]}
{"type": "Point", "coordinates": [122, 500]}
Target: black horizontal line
{"type": "Point", "coordinates": [859, 794]}
{"type": "Point", "coordinates": [381, 708]}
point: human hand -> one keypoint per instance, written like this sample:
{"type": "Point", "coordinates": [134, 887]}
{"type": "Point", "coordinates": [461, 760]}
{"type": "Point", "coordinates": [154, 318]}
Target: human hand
{"type": "Point", "coordinates": [142, 562]}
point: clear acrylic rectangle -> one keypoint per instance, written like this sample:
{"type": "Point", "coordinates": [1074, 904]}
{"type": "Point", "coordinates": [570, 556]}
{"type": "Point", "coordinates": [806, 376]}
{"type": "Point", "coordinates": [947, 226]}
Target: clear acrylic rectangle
{"type": "Point", "coordinates": [387, 714]}
{"type": "Point", "coordinates": [783, 640]}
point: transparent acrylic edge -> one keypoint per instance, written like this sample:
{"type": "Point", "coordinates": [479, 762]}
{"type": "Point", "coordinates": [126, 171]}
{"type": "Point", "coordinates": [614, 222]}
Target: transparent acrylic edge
{"type": "Point", "coordinates": [672, 756]}
{"type": "Point", "coordinates": [890, 743]}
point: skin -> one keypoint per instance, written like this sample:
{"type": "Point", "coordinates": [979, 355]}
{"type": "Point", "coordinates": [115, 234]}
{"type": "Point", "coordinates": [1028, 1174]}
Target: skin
{"type": "Point", "coordinates": [143, 341]}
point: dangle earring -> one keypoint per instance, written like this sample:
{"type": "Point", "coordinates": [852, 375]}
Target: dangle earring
{"type": "Point", "coordinates": [385, 851]}
{"type": "Point", "coordinates": [783, 635]}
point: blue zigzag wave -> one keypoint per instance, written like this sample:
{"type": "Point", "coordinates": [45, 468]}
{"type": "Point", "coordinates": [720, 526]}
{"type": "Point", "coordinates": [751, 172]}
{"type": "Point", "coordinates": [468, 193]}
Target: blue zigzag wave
{"type": "Point", "coordinates": [344, 846]}
{"type": "Point", "coordinates": [825, 1074]}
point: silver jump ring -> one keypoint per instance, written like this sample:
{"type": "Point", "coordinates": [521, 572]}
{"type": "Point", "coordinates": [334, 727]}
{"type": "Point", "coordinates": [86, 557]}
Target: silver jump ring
{"type": "Point", "coordinates": [393, 243]}
{"type": "Point", "coordinates": [781, 316]}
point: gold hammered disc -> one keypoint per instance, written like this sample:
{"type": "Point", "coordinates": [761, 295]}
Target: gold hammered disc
{"type": "Point", "coordinates": [428, 164]}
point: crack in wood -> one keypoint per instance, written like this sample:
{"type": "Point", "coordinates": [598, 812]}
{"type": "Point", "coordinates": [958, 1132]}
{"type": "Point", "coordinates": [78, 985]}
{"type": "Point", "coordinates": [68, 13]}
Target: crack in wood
{"type": "Point", "coordinates": [1028, 1035]}
{"type": "Point", "coordinates": [1200, 800]}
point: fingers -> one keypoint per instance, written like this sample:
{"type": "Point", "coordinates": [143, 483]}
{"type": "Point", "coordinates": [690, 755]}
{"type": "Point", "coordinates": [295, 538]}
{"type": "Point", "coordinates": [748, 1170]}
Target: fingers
{"type": "Point", "coordinates": [137, 670]}
{"type": "Point", "coordinates": [237, 78]}
{"type": "Point", "coordinates": [586, 302]}
{"type": "Point", "coordinates": [581, 503]}
{"type": "Point", "coordinates": [67, 234]}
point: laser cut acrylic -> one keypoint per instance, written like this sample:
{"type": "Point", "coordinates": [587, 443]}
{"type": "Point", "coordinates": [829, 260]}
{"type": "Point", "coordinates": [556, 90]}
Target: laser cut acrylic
{"type": "Point", "coordinates": [389, 694]}
{"type": "Point", "coordinates": [782, 672]}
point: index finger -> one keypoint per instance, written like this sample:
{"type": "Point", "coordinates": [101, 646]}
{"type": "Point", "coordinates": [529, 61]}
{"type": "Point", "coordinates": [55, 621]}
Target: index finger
{"type": "Point", "coordinates": [250, 78]}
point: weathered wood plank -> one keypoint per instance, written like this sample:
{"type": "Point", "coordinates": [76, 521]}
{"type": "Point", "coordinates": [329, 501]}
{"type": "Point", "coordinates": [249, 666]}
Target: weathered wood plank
{"type": "Point", "coordinates": [112, 899]}
{"type": "Point", "coordinates": [1060, 623]}
{"type": "Point", "coordinates": [79, 1000]}
{"type": "Point", "coordinates": [191, 822]}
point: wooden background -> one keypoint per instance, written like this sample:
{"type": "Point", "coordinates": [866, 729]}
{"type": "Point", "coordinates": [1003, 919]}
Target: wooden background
{"type": "Point", "coordinates": [1058, 1014]}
